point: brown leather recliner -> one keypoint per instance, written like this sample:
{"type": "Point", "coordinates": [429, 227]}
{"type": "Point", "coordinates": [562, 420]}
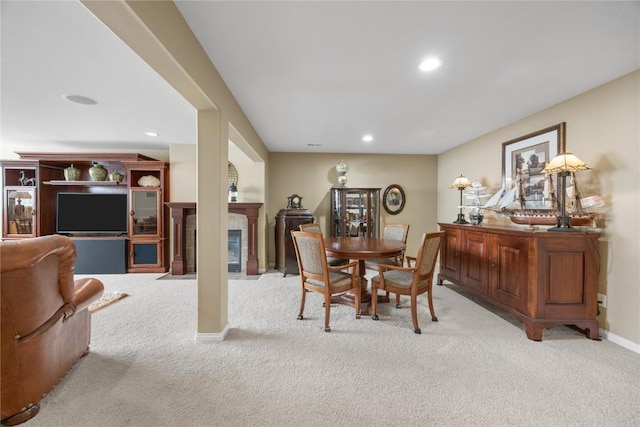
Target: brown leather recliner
{"type": "Point", "coordinates": [46, 326]}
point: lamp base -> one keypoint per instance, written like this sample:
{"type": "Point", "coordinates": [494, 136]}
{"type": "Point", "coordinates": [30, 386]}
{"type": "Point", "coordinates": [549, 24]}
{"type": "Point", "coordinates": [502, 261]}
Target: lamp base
{"type": "Point", "coordinates": [460, 219]}
{"type": "Point", "coordinates": [563, 224]}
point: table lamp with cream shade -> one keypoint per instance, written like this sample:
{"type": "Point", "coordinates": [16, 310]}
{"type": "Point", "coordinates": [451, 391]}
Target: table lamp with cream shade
{"type": "Point", "coordinates": [564, 164]}
{"type": "Point", "coordinates": [460, 184]}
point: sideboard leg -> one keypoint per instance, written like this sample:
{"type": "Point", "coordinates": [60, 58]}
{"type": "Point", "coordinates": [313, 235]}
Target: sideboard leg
{"type": "Point", "coordinates": [534, 333]}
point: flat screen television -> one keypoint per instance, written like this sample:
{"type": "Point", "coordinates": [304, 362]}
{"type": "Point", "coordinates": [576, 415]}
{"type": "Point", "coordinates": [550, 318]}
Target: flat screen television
{"type": "Point", "coordinates": [91, 213]}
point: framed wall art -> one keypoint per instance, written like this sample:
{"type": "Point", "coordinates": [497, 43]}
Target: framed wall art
{"type": "Point", "coordinates": [525, 157]}
{"type": "Point", "coordinates": [393, 199]}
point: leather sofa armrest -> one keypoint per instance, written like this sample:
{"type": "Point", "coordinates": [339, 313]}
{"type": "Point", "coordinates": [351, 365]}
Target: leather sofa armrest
{"type": "Point", "coordinates": [87, 291]}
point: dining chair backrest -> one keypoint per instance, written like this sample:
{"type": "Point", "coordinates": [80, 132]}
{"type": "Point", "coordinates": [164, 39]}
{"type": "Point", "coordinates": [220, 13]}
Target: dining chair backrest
{"type": "Point", "coordinates": [315, 228]}
{"type": "Point", "coordinates": [428, 253]}
{"type": "Point", "coordinates": [397, 232]}
{"type": "Point", "coordinates": [310, 228]}
{"type": "Point", "coordinates": [311, 253]}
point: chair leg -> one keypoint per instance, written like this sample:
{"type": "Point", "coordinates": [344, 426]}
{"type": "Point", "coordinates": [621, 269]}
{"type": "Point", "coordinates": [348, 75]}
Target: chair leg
{"type": "Point", "coordinates": [327, 312]}
{"type": "Point", "coordinates": [434, 318]}
{"type": "Point", "coordinates": [302, 300]}
{"type": "Point", "coordinates": [414, 314]}
{"type": "Point", "coordinates": [374, 301]}
{"type": "Point", "coordinates": [358, 291]}
{"type": "Point", "coordinates": [397, 300]}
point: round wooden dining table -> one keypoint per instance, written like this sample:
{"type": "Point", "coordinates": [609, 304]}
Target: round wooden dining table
{"type": "Point", "coordinates": [362, 249]}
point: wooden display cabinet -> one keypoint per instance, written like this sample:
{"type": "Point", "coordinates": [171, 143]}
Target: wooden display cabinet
{"type": "Point", "coordinates": [43, 176]}
{"type": "Point", "coordinates": [355, 212]}
{"type": "Point", "coordinates": [544, 278]}
{"type": "Point", "coordinates": [148, 216]}
{"type": "Point", "coordinates": [20, 201]}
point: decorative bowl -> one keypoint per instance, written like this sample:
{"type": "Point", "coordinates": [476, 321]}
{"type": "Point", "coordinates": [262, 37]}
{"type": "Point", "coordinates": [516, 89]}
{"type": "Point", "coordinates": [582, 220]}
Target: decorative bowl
{"type": "Point", "coordinates": [149, 181]}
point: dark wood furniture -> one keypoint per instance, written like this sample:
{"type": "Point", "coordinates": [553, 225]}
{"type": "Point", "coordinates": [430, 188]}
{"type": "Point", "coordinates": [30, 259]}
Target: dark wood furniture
{"type": "Point", "coordinates": [288, 220]}
{"type": "Point", "coordinates": [544, 278]}
{"type": "Point", "coordinates": [362, 249]}
{"type": "Point", "coordinates": [147, 238]}
{"type": "Point", "coordinates": [179, 212]}
{"type": "Point", "coordinates": [250, 210]}
{"type": "Point", "coordinates": [355, 212]}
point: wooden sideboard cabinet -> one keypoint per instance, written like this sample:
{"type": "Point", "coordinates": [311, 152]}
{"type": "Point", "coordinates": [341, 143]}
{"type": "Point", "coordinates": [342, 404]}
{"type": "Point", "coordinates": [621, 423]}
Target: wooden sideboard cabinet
{"type": "Point", "coordinates": [543, 278]}
{"type": "Point", "coordinates": [288, 220]}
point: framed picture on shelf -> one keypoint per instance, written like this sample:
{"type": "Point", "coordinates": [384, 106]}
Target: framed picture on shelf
{"type": "Point", "coordinates": [393, 199]}
{"type": "Point", "coordinates": [525, 157]}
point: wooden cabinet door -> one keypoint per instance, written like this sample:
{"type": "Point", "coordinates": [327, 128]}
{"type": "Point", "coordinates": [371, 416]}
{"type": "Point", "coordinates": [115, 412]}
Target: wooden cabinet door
{"type": "Point", "coordinates": [508, 275]}
{"type": "Point", "coordinates": [450, 256]}
{"type": "Point", "coordinates": [474, 268]}
{"type": "Point", "coordinates": [567, 276]}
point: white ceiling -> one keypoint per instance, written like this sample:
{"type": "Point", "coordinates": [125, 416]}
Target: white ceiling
{"type": "Point", "coordinates": [315, 73]}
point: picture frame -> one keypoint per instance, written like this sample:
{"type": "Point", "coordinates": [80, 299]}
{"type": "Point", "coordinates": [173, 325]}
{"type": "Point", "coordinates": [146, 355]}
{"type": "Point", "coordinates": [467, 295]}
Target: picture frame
{"type": "Point", "coordinates": [393, 199]}
{"type": "Point", "coordinates": [530, 154]}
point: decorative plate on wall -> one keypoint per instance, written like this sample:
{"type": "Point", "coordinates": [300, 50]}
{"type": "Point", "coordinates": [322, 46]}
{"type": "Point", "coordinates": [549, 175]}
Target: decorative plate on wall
{"type": "Point", "coordinates": [233, 175]}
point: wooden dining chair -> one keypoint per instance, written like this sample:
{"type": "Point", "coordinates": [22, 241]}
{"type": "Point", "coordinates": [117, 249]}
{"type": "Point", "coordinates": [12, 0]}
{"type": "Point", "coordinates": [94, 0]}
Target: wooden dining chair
{"type": "Point", "coordinates": [397, 232]}
{"type": "Point", "coordinates": [318, 276]}
{"type": "Point", "coordinates": [315, 228]}
{"type": "Point", "coordinates": [411, 281]}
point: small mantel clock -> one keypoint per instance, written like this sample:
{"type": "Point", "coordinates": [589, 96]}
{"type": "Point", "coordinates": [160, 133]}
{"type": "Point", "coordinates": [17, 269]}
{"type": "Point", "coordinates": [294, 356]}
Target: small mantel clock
{"type": "Point", "coordinates": [294, 202]}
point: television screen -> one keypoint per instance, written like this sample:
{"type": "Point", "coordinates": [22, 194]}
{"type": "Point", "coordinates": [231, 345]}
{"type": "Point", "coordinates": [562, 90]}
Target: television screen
{"type": "Point", "coordinates": [91, 213]}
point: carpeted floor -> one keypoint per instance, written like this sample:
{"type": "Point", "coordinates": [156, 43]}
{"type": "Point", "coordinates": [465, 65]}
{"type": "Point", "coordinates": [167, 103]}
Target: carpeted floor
{"type": "Point", "coordinates": [193, 276]}
{"type": "Point", "coordinates": [472, 368]}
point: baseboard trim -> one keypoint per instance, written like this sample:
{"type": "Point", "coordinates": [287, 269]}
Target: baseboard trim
{"type": "Point", "coordinates": [623, 342]}
{"type": "Point", "coordinates": [209, 337]}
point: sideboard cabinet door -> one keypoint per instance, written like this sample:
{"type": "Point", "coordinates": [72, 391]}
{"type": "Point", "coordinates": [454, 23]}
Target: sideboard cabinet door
{"type": "Point", "coordinates": [475, 265]}
{"type": "Point", "coordinates": [508, 275]}
{"type": "Point", "coordinates": [450, 255]}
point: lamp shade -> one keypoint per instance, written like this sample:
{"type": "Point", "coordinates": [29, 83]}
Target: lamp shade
{"type": "Point", "coordinates": [461, 183]}
{"type": "Point", "coordinates": [565, 162]}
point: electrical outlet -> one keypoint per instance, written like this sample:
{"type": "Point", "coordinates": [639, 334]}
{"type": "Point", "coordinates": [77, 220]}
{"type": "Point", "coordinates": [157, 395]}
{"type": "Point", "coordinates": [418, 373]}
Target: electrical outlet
{"type": "Point", "coordinates": [602, 300]}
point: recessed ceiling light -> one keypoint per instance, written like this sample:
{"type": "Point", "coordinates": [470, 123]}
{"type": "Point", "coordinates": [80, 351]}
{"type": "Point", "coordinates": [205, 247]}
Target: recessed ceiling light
{"type": "Point", "coordinates": [430, 64]}
{"type": "Point", "coordinates": [151, 133]}
{"type": "Point", "coordinates": [367, 138]}
{"type": "Point", "coordinates": [79, 99]}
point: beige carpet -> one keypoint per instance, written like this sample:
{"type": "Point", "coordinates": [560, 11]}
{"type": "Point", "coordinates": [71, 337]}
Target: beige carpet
{"type": "Point", "coordinates": [106, 300]}
{"type": "Point", "coordinates": [472, 368]}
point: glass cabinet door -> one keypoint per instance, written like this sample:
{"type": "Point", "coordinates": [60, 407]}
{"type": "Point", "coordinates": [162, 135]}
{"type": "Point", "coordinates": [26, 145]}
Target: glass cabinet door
{"type": "Point", "coordinates": [355, 212]}
{"type": "Point", "coordinates": [20, 212]}
{"type": "Point", "coordinates": [145, 205]}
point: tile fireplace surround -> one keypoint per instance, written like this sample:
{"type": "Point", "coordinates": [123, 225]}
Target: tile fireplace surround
{"type": "Point", "coordinates": [179, 213]}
